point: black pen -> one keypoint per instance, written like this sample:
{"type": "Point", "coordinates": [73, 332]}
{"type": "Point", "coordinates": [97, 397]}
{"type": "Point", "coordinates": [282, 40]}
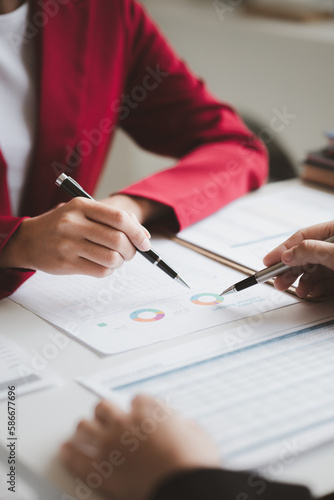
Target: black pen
{"type": "Point", "coordinates": [262, 276]}
{"type": "Point", "coordinates": [74, 189]}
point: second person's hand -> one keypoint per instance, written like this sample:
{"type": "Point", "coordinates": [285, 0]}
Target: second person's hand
{"type": "Point", "coordinates": [131, 453]}
{"type": "Point", "coordinates": [310, 256]}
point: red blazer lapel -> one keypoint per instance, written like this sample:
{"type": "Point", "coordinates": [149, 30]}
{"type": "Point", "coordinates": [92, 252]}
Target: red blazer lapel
{"type": "Point", "coordinates": [63, 70]}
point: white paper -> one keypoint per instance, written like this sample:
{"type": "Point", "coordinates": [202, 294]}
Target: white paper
{"type": "Point", "coordinates": [247, 229]}
{"type": "Point", "coordinates": [16, 370]}
{"type": "Point", "coordinates": [262, 393]}
{"type": "Point", "coordinates": [139, 305]}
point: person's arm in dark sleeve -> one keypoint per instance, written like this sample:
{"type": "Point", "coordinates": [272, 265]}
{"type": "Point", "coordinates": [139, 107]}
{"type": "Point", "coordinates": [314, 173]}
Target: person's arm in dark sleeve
{"type": "Point", "coordinates": [170, 112]}
{"type": "Point", "coordinates": [217, 484]}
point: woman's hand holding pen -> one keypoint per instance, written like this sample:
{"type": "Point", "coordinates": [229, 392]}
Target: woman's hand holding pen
{"type": "Point", "coordinates": [310, 257]}
{"type": "Point", "coordinates": [80, 237]}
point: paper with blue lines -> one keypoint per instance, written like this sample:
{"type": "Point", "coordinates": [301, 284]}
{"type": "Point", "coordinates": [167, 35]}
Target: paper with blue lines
{"type": "Point", "coordinates": [263, 400]}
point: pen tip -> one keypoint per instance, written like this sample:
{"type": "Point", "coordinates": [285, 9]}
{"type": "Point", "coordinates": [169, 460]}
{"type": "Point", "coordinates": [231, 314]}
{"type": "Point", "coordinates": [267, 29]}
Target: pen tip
{"type": "Point", "coordinates": [181, 281]}
{"type": "Point", "coordinates": [228, 290]}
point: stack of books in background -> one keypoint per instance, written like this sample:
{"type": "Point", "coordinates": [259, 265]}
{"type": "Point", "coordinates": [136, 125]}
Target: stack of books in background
{"type": "Point", "coordinates": [293, 10]}
{"type": "Point", "coordinates": [319, 165]}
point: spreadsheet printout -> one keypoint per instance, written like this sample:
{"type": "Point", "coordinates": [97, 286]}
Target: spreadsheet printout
{"type": "Point", "coordinates": [256, 400]}
{"type": "Point", "coordinates": [250, 227]}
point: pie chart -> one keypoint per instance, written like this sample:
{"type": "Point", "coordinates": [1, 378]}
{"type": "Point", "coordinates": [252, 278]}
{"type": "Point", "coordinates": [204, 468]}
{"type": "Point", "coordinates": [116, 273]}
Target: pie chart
{"type": "Point", "coordinates": [147, 315]}
{"type": "Point", "coordinates": [206, 299]}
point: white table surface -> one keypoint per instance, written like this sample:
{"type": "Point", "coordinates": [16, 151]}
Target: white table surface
{"type": "Point", "coordinates": [46, 418]}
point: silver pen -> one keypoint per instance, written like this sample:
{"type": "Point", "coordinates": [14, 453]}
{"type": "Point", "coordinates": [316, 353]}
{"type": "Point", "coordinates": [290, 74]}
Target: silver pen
{"type": "Point", "coordinates": [262, 276]}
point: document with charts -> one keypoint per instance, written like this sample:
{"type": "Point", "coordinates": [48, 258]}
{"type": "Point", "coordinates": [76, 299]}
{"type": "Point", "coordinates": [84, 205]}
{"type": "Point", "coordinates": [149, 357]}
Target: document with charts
{"type": "Point", "coordinates": [262, 393]}
{"type": "Point", "coordinates": [139, 305]}
{"type": "Point", "coordinates": [248, 228]}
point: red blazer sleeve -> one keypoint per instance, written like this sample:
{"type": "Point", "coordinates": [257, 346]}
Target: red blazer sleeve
{"type": "Point", "coordinates": [169, 111]}
{"type": "Point", "coordinates": [10, 279]}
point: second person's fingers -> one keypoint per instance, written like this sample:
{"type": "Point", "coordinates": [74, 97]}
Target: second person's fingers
{"type": "Point", "coordinates": [89, 432]}
{"type": "Point", "coordinates": [323, 287]}
{"type": "Point", "coordinates": [317, 232]}
{"type": "Point", "coordinates": [108, 413]}
{"type": "Point", "coordinates": [285, 280]}
{"type": "Point", "coordinates": [310, 252]}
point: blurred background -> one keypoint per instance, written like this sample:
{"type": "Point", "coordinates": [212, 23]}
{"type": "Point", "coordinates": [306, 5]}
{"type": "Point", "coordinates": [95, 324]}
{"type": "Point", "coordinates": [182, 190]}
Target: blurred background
{"type": "Point", "coordinates": [264, 57]}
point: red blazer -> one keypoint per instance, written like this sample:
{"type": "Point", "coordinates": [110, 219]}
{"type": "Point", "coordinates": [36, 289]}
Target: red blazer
{"type": "Point", "coordinates": [102, 64]}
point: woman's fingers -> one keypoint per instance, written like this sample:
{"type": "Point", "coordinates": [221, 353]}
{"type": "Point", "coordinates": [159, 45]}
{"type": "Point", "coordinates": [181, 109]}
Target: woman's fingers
{"type": "Point", "coordinates": [79, 237]}
{"type": "Point", "coordinates": [117, 219]}
{"type": "Point", "coordinates": [135, 218]}
{"type": "Point", "coordinates": [80, 265]}
{"type": "Point", "coordinates": [108, 237]}
{"type": "Point", "coordinates": [101, 255]}
{"type": "Point", "coordinates": [86, 232]}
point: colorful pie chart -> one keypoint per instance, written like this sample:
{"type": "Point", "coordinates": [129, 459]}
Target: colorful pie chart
{"type": "Point", "coordinates": [202, 299]}
{"type": "Point", "coordinates": [147, 315]}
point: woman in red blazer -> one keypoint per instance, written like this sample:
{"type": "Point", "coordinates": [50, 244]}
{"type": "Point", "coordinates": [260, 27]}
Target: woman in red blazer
{"type": "Point", "coordinates": [103, 64]}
